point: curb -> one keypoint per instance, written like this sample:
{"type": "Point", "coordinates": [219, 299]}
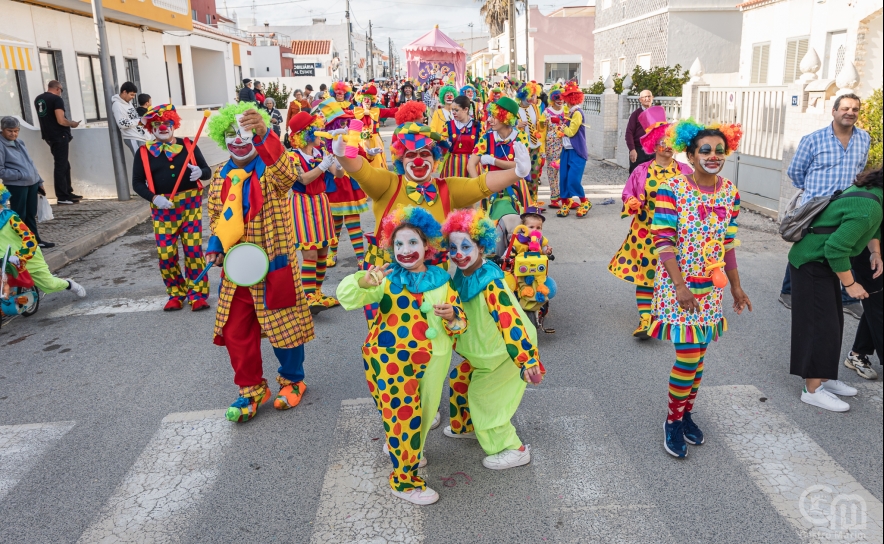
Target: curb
{"type": "Point", "coordinates": [94, 240]}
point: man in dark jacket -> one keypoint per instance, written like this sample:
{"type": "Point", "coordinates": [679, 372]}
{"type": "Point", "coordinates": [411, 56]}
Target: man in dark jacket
{"type": "Point", "coordinates": [634, 132]}
{"type": "Point", "coordinates": [247, 94]}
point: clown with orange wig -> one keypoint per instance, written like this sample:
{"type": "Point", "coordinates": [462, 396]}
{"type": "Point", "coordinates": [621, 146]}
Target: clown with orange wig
{"type": "Point", "coordinates": [694, 233]}
{"type": "Point", "coordinates": [499, 349]}
{"type": "Point", "coordinates": [410, 341]}
{"type": "Point", "coordinates": [573, 159]}
{"type": "Point", "coordinates": [155, 172]}
{"type": "Point", "coordinates": [636, 261]}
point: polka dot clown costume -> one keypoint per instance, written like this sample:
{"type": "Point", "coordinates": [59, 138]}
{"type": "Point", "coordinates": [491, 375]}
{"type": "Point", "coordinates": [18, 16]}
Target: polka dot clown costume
{"type": "Point", "coordinates": [636, 260]}
{"type": "Point", "coordinates": [694, 231]}
{"type": "Point", "coordinates": [498, 349]}
{"type": "Point", "coordinates": [367, 111]}
{"type": "Point", "coordinates": [408, 349]}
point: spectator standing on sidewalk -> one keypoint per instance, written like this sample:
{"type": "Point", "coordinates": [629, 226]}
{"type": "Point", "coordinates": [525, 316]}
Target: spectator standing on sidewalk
{"type": "Point", "coordinates": [826, 161]}
{"type": "Point", "coordinates": [20, 175]}
{"type": "Point", "coordinates": [55, 129]}
{"type": "Point", "coordinates": [634, 132]}
{"type": "Point", "coordinates": [144, 104]}
{"type": "Point", "coordinates": [247, 94]}
{"type": "Point", "coordinates": [127, 117]}
{"type": "Point", "coordinates": [275, 115]}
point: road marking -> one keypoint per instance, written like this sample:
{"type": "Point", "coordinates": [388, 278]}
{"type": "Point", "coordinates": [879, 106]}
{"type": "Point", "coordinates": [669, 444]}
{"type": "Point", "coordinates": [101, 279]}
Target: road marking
{"type": "Point", "coordinates": [111, 306]}
{"type": "Point", "coordinates": [21, 446]}
{"type": "Point", "coordinates": [171, 475]}
{"type": "Point", "coordinates": [591, 486]}
{"type": "Point", "coordinates": [821, 500]}
{"type": "Point", "coordinates": [355, 504]}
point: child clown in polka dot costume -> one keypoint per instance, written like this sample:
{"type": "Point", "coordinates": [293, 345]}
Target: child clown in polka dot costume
{"type": "Point", "coordinates": [410, 340]}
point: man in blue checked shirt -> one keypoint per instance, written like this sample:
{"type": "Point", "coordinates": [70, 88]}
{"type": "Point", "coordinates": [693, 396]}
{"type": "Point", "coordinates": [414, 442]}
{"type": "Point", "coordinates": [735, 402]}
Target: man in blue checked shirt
{"type": "Point", "coordinates": [826, 161]}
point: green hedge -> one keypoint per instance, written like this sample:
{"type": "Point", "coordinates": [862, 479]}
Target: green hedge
{"type": "Point", "coordinates": [662, 81]}
{"type": "Point", "coordinates": [870, 121]}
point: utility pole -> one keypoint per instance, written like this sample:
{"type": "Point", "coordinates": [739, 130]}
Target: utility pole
{"type": "Point", "coordinates": [349, 41]}
{"type": "Point", "coordinates": [367, 57]}
{"type": "Point", "coordinates": [113, 131]}
{"type": "Point", "coordinates": [390, 52]}
{"type": "Point", "coordinates": [370, 51]}
{"type": "Point", "coordinates": [527, 48]}
{"type": "Point", "coordinates": [514, 61]}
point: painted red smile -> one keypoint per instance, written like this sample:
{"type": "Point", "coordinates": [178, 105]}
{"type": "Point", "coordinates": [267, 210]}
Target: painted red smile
{"type": "Point", "coordinates": [240, 150]}
{"type": "Point", "coordinates": [460, 260]}
{"type": "Point", "coordinates": [408, 258]}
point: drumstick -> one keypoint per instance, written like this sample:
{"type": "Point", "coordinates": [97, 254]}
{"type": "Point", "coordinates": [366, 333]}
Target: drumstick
{"type": "Point", "coordinates": [203, 273]}
{"type": "Point", "coordinates": [206, 115]}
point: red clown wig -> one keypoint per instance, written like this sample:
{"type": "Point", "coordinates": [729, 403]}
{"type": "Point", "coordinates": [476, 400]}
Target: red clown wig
{"type": "Point", "coordinates": [163, 112]}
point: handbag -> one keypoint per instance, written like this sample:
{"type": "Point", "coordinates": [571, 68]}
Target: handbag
{"type": "Point", "coordinates": [797, 219]}
{"type": "Point", "coordinates": [44, 210]}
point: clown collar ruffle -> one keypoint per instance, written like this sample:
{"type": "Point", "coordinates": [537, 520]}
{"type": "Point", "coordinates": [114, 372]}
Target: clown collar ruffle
{"type": "Point", "coordinates": [417, 282]}
{"type": "Point", "coordinates": [470, 286]}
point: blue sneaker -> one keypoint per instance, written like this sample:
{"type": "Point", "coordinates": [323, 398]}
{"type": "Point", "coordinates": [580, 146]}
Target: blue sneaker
{"type": "Point", "coordinates": [673, 439]}
{"type": "Point", "coordinates": [692, 434]}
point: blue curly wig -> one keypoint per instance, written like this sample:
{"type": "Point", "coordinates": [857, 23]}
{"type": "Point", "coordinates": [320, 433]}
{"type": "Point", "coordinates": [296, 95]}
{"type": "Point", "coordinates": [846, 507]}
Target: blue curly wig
{"type": "Point", "coordinates": [416, 218]}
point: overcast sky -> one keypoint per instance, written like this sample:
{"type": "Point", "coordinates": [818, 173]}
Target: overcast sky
{"type": "Point", "coordinates": [401, 20]}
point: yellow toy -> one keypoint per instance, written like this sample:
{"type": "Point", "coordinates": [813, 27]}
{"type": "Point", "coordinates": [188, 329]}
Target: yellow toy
{"type": "Point", "coordinates": [528, 275]}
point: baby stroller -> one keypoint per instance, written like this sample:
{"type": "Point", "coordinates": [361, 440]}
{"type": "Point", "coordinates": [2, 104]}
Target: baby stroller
{"type": "Point", "coordinates": [18, 294]}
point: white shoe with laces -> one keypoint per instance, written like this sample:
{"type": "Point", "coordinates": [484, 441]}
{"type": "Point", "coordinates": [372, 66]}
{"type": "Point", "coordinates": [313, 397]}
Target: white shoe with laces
{"type": "Point", "coordinates": [421, 497]}
{"type": "Point", "coordinates": [508, 459]}
{"type": "Point", "coordinates": [822, 398]}
{"type": "Point", "coordinates": [451, 434]}
{"type": "Point", "coordinates": [839, 388]}
{"type": "Point", "coordinates": [436, 421]}
{"type": "Point", "coordinates": [423, 462]}
{"type": "Point", "coordinates": [861, 364]}
{"type": "Point", "coordinates": [77, 288]}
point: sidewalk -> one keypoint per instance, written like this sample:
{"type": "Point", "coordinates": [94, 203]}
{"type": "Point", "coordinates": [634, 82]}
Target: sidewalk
{"type": "Point", "coordinates": [80, 228]}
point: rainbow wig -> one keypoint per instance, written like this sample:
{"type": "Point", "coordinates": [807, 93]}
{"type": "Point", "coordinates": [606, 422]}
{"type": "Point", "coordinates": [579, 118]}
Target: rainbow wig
{"type": "Point", "coordinates": [226, 116]}
{"type": "Point", "coordinates": [681, 134]}
{"type": "Point", "coordinates": [506, 117]}
{"type": "Point", "coordinates": [303, 138]}
{"type": "Point", "coordinates": [163, 112]}
{"type": "Point", "coordinates": [475, 224]}
{"type": "Point", "coordinates": [341, 86]}
{"type": "Point", "coordinates": [415, 218]}
{"type": "Point", "coordinates": [468, 87]}
{"type": "Point", "coordinates": [448, 89]}
{"type": "Point", "coordinates": [528, 90]}
{"type": "Point", "coordinates": [555, 92]}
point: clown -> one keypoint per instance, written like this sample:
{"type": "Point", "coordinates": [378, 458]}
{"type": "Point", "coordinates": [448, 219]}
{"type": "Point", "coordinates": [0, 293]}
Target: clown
{"type": "Point", "coordinates": [636, 261]}
{"type": "Point", "coordinates": [475, 104]}
{"type": "Point", "coordinates": [249, 203]}
{"type": "Point", "coordinates": [413, 355]}
{"type": "Point", "coordinates": [367, 111]}
{"type": "Point", "coordinates": [495, 94]}
{"type": "Point", "coordinates": [459, 138]}
{"type": "Point", "coordinates": [499, 350]}
{"type": "Point", "coordinates": [155, 175]}
{"type": "Point", "coordinates": [495, 151]}
{"type": "Point", "coordinates": [342, 92]}
{"type": "Point", "coordinates": [533, 123]}
{"type": "Point", "coordinates": [573, 158]}
{"type": "Point", "coordinates": [442, 115]}
{"type": "Point", "coordinates": [556, 113]}
{"type": "Point", "coordinates": [314, 226]}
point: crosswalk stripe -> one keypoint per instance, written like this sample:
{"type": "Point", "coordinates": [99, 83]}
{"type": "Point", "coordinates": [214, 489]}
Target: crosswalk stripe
{"type": "Point", "coordinates": [21, 446]}
{"type": "Point", "coordinates": [355, 504]}
{"type": "Point", "coordinates": [821, 500]}
{"type": "Point", "coordinates": [111, 306]}
{"type": "Point", "coordinates": [170, 476]}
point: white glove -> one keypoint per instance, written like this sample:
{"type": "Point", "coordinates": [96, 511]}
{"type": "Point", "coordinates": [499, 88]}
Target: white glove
{"type": "Point", "coordinates": [162, 202]}
{"type": "Point", "coordinates": [195, 172]}
{"type": "Point", "coordinates": [14, 260]}
{"type": "Point", "coordinates": [371, 152]}
{"type": "Point", "coordinates": [327, 161]}
{"type": "Point", "coordinates": [523, 159]}
{"type": "Point", "coordinates": [486, 160]}
{"type": "Point", "coordinates": [339, 146]}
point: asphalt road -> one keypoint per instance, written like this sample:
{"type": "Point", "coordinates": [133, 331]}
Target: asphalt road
{"type": "Point", "coordinates": [113, 426]}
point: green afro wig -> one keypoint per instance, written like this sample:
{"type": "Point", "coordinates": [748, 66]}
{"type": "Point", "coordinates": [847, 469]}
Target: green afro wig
{"type": "Point", "coordinates": [448, 89]}
{"type": "Point", "coordinates": [226, 116]}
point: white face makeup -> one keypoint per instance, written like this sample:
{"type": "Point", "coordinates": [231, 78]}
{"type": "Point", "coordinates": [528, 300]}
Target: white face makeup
{"type": "Point", "coordinates": [711, 161]}
{"type": "Point", "coordinates": [367, 103]}
{"type": "Point", "coordinates": [469, 94]}
{"type": "Point", "coordinates": [408, 248]}
{"type": "Point", "coordinates": [239, 143]}
{"type": "Point", "coordinates": [163, 131]}
{"type": "Point", "coordinates": [449, 98]}
{"type": "Point", "coordinates": [418, 164]}
{"type": "Point", "coordinates": [462, 251]}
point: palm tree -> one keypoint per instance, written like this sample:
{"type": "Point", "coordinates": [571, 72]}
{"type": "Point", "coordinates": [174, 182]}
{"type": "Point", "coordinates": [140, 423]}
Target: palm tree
{"type": "Point", "coordinates": [496, 12]}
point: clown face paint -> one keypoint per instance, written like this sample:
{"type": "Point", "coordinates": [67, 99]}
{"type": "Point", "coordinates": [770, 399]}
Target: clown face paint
{"type": "Point", "coordinates": [418, 164]}
{"type": "Point", "coordinates": [462, 250]}
{"type": "Point", "coordinates": [449, 98]}
{"type": "Point", "coordinates": [163, 131]}
{"type": "Point", "coordinates": [468, 93]}
{"type": "Point", "coordinates": [340, 95]}
{"type": "Point", "coordinates": [239, 142]}
{"type": "Point", "coordinates": [711, 161]}
{"type": "Point", "coordinates": [367, 103]}
{"type": "Point", "coordinates": [408, 249]}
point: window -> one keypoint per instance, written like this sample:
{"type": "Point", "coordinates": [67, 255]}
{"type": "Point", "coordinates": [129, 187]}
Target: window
{"type": "Point", "coordinates": [132, 72]}
{"type": "Point", "coordinates": [12, 98]}
{"type": "Point", "coordinates": [193, 15]}
{"type": "Point", "coordinates": [836, 44]}
{"type": "Point", "coordinates": [91, 87]}
{"type": "Point", "coordinates": [208, 19]}
{"type": "Point", "coordinates": [643, 61]}
{"type": "Point", "coordinates": [562, 70]}
{"type": "Point", "coordinates": [760, 57]}
{"type": "Point", "coordinates": [796, 48]}
{"type": "Point", "coordinates": [48, 66]}
{"type": "Point", "coordinates": [621, 66]}
{"type": "Point", "coordinates": [604, 69]}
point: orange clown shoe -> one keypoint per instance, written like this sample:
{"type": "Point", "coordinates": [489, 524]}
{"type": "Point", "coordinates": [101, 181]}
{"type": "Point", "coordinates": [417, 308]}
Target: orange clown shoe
{"type": "Point", "coordinates": [290, 395]}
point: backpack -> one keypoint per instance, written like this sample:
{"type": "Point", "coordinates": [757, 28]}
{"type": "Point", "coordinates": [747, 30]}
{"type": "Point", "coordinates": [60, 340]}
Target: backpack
{"type": "Point", "coordinates": [796, 221]}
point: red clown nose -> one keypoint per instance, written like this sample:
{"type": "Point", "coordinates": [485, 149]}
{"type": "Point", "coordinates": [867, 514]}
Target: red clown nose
{"type": "Point", "coordinates": [418, 162]}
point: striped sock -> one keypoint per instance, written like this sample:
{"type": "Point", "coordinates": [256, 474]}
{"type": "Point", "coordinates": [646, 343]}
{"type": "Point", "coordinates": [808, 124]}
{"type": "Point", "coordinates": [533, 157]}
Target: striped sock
{"type": "Point", "coordinates": [308, 276]}
{"type": "Point", "coordinates": [697, 377]}
{"type": "Point", "coordinates": [339, 224]}
{"type": "Point", "coordinates": [681, 380]}
{"type": "Point", "coordinates": [320, 273]}
{"type": "Point", "coordinates": [643, 298]}
{"type": "Point", "coordinates": [354, 229]}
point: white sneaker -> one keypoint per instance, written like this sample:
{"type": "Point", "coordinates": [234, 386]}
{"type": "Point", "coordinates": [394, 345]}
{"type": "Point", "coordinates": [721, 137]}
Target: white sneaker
{"type": "Point", "coordinates": [77, 288]}
{"type": "Point", "coordinates": [839, 388]}
{"type": "Point", "coordinates": [64, 201]}
{"type": "Point", "coordinates": [423, 462]}
{"type": "Point", "coordinates": [451, 434]}
{"type": "Point", "coordinates": [420, 497]}
{"type": "Point", "coordinates": [825, 400]}
{"type": "Point", "coordinates": [861, 364]}
{"type": "Point", "coordinates": [508, 459]}
{"type": "Point", "coordinates": [436, 421]}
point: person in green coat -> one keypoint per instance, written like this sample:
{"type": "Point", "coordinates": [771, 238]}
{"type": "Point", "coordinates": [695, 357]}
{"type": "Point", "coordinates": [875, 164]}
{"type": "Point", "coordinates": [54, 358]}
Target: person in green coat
{"type": "Point", "coordinates": [820, 264]}
{"type": "Point", "coordinates": [499, 349]}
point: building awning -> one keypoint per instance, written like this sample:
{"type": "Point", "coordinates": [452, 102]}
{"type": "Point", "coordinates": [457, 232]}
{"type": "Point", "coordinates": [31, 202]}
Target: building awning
{"type": "Point", "coordinates": [506, 68]}
{"type": "Point", "coordinates": [15, 54]}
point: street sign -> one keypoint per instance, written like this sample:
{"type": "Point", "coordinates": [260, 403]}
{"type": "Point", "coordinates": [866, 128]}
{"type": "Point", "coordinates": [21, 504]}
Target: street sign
{"type": "Point", "coordinates": [794, 100]}
{"type": "Point", "coordinates": [304, 69]}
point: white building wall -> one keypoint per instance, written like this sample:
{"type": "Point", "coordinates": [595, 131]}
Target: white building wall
{"type": "Point", "coordinates": [265, 60]}
{"type": "Point", "coordinates": [714, 36]}
{"type": "Point", "coordinates": [215, 88]}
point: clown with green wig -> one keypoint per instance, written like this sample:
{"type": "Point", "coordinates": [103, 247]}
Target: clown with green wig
{"type": "Point", "coordinates": [249, 204]}
{"type": "Point", "coordinates": [443, 114]}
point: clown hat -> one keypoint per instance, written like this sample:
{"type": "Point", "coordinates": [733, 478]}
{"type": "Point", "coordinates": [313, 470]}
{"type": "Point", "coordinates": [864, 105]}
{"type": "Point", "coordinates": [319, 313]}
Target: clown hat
{"type": "Point", "coordinates": [163, 112]}
{"type": "Point", "coordinates": [414, 136]}
{"type": "Point", "coordinates": [571, 87]}
{"type": "Point", "coordinates": [370, 89]}
{"type": "Point", "coordinates": [653, 120]}
{"type": "Point", "coordinates": [508, 104]}
{"type": "Point", "coordinates": [301, 121]}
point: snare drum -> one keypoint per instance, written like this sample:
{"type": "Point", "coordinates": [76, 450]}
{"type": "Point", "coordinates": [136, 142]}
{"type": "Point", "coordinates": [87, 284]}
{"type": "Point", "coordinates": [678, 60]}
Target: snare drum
{"type": "Point", "coordinates": [246, 264]}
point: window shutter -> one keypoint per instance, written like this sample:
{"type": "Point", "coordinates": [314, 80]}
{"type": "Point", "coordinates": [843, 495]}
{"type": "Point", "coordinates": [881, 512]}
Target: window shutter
{"type": "Point", "coordinates": [756, 61]}
{"type": "Point", "coordinates": [789, 64]}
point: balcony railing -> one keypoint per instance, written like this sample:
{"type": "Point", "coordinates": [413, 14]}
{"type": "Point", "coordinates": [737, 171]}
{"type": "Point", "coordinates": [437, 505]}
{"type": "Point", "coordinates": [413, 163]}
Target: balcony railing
{"type": "Point", "coordinates": [176, 6]}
